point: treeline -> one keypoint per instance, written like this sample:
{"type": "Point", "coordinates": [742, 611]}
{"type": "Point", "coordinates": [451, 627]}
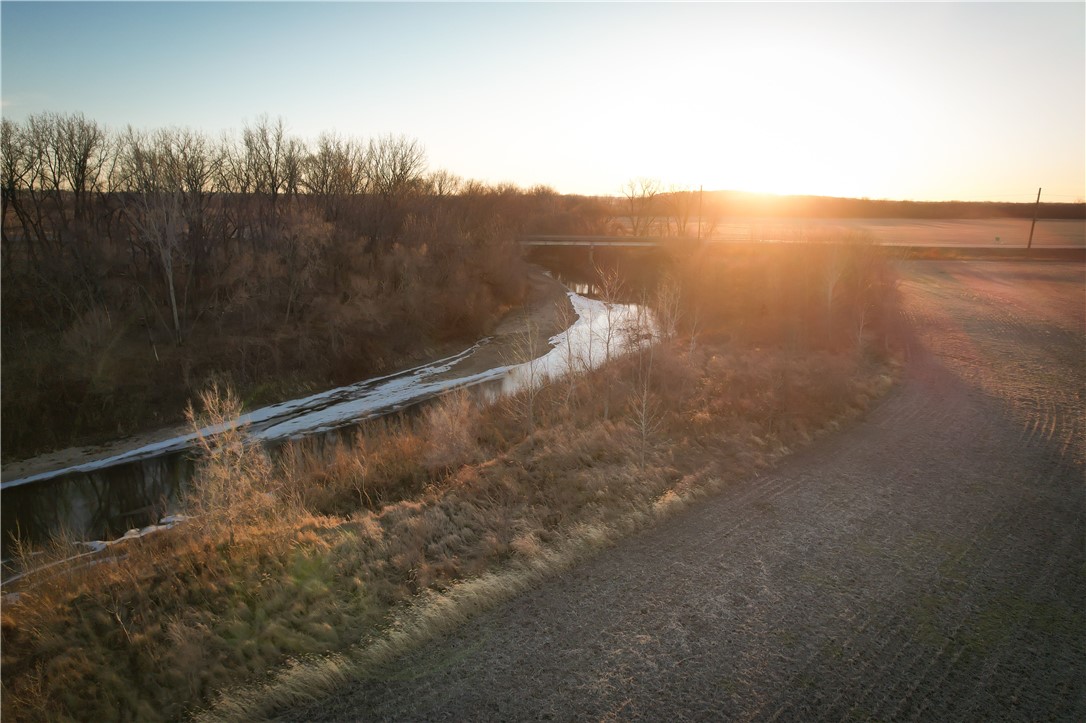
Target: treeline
{"type": "Point", "coordinates": [137, 266]}
{"type": "Point", "coordinates": [646, 207]}
{"type": "Point", "coordinates": [734, 203]}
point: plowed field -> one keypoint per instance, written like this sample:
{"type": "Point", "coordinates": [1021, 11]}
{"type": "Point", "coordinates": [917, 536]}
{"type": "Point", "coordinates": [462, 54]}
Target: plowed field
{"type": "Point", "coordinates": [928, 562]}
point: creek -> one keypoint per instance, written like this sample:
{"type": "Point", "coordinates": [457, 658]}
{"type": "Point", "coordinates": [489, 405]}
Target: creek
{"type": "Point", "coordinates": [104, 497]}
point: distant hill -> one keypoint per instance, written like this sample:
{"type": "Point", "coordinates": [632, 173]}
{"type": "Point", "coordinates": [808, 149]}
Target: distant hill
{"type": "Point", "coordinates": [741, 203]}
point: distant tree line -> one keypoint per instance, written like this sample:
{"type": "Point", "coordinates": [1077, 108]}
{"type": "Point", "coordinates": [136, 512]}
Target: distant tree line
{"type": "Point", "coordinates": [138, 264]}
{"type": "Point", "coordinates": [646, 207]}
{"type": "Point", "coordinates": [729, 203]}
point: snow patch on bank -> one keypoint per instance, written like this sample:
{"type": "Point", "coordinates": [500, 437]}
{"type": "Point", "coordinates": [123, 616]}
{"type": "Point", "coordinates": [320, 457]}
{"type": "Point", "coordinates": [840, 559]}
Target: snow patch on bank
{"type": "Point", "coordinates": [600, 330]}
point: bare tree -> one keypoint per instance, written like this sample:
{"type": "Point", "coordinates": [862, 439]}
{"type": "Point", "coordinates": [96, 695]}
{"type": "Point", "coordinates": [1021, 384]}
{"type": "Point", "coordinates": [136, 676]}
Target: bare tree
{"type": "Point", "coordinates": [274, 161]}
{"type": "Point", "coordinates": [45, 190]}
{"type": "Point", "coordinates": [567, 317]}
{"type": "Point", "coordinates": [333, 171]}
{"type": "Point", "coordinates": [80, 158]}
{"type": "Point", "coordinates": [640, 196]}
{"type": "Point", "coordinates": [610, 292]}
{"type": "Point", "coordinates": [710, 216]}
{"type": "Point", "coordinates": [264, 148]}
{"type": "Point", "coordinates": [695, 327]}
{"type": "Point", "coordinates": [394, 167]}
{"type": "Point", "coordinates": [335, 167]}
{"type": "Point", "coordinates": [866, 287]}
{"type": "Point", "coordinates": [643, 407]}
{"type": "Point", "coordinates": [108, 210]}
{"type": "Point", "coordinates": [236, 174]}
{"type": "Point", "coordinates": [668, 306]}
{"type": "Point", "coordinates": [835, 266]}
{"type": "Point", "coordinates": [155, 207]}
{"type": "Point", "coordinates": [680, 202]}
{"type": "Point", "coordinates": [610, 286]}
{"type": "Point", "coordinates": [293, 159]}
{"type": "Point", "coordinates": [527, 378]}
{"type": "Point", "coordinates": [303, 246]}
{"type": "Point", "coordinates": [52, 167]}
{"type": "Point", "coordinates": [15, 170]}
{"type": "Point", "coordinates": [443, 184]}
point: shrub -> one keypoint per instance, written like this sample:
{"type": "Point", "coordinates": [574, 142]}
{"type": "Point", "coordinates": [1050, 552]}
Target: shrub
{"type": "Point", "coordinates": [449, 429]}
{"type": "Point", "coordinates": [233, 486]}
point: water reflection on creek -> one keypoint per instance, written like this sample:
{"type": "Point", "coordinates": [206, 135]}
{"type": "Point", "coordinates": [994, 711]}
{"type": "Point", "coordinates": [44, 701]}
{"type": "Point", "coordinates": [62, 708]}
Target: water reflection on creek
{"type": "Point", "coordinates": [104, 498]}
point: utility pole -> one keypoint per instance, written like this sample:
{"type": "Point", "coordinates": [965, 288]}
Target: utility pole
{"type": "Point", "coordinates": [1036, 209]}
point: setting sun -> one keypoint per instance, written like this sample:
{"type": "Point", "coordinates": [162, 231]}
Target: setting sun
{"type": "Point", "coordinates": [933, 101]}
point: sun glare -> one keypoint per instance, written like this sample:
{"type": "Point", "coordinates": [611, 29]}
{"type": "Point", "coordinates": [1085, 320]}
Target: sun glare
{"type": "Point", "coordinates": [796, 121]}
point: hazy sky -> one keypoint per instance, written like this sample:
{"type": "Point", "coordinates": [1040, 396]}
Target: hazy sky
{"type": "Point", "coordinates": [922, 101]}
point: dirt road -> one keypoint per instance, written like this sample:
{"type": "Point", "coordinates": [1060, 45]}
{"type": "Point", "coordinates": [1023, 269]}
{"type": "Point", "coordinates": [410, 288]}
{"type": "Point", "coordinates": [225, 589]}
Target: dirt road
{"type": "Point", "coordinates": [926, 563]}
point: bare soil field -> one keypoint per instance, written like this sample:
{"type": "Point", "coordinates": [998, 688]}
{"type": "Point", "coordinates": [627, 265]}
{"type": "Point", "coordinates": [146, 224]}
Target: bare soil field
{"type": "Point", "coordinates": [1009, 232]}
{"type": "Point", "coordinates": [928, 562]}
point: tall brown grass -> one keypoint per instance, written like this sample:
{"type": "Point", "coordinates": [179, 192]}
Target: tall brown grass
{"type": "Point", "coordinates": [233, 488]}
{"type": "Point", "coordinates": [342, 556]}
{"type": "Point", "coordinates": [833, 295]}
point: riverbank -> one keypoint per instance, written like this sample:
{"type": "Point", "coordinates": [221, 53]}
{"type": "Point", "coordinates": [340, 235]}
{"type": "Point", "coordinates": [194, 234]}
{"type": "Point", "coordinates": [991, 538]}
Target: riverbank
{"type": "Point", "coordinates": [485, 498]}
{"type": "Point", "coordinates": [346, 554]}
{"type": "Point", "coordinates": [545, 309]}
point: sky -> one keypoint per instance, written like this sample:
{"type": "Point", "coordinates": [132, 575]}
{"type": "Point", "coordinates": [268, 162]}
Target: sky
{"type": "Point", "coordinates": [935, 101]}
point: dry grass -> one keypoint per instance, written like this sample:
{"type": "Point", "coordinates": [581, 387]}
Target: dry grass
{"type": "Point", "coordinates": [819, 296]}
{"type": "Point", "coordinates": [335, 560]}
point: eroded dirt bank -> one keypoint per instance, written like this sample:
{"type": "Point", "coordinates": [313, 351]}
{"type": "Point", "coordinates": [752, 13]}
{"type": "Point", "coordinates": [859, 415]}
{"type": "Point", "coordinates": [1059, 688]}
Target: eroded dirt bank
{"type": "Point", "coordinates": [929, 562]}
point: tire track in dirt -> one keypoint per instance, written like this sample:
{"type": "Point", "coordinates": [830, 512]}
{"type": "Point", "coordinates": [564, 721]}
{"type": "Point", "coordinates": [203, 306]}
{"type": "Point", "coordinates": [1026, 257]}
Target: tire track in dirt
{"type": "Point", "coordinates": [1042, 428]}
{"type": "Point", "coordinates": [908, 660]}
{"type": "Point", "coordinates": [927, 563]}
